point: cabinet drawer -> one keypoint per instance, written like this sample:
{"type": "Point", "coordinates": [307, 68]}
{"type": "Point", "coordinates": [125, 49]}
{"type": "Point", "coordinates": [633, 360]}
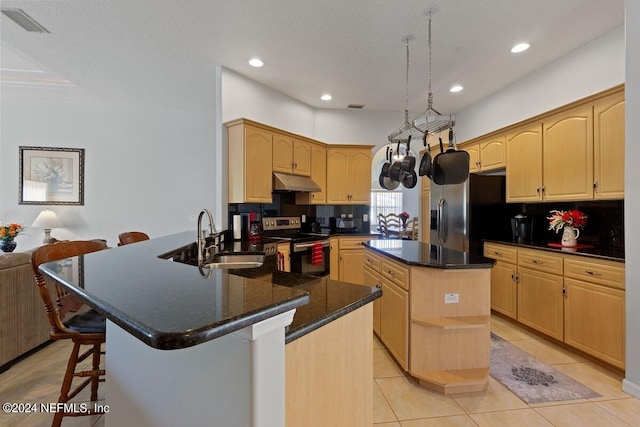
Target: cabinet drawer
{"type": "Point", "coordinates": [396, 273]}
{"type": "Point", "coordinates": [353, 242]}
{"type": "Point", "coordinates": [500, 252]}
{"type": "Point", "coordinates": [372, 261]}
{"type": "Point", "coordinates": [537, 260]}
{"type": "Point", "coordinates": [600, 272]}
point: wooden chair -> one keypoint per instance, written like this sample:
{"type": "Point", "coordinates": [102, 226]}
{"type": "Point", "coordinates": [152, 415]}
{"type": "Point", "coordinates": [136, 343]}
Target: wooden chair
{"type": "Point", "coordinates": [84, 328]}
{"type": "Point", "coordinates": [413, 226]}
{"type": "Point", "coordinates": [387, 222]}
{"type": "Point", "coordinates": [131, 237]}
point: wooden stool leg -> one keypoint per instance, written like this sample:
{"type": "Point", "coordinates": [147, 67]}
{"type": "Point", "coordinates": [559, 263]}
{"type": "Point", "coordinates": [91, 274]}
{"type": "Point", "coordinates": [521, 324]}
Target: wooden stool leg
{"type": "Point", "coordinates": [66, 383]}
{"type": "Point", "coordinates": [96, 369]}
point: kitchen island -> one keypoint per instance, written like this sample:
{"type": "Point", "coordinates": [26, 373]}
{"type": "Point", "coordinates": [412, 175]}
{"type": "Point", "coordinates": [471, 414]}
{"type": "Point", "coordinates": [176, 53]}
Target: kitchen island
{"type": "Point", "coordinates": [185, 348]}
{"type": "Point", "coordinates": [434, 313]}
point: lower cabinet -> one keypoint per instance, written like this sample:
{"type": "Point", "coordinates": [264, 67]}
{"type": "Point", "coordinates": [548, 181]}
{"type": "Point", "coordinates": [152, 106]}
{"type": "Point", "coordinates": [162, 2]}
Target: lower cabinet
{"type": "Point", "coordinates": [351, 259]}
{"type": "Point", "coordinates": [574, 299]}
{"type": "Point", "coordinates": [284, 257]}
{"type": "Point", "coordinates": [394, 315]}
{"type": "Point", "coordinates": [334, 259]}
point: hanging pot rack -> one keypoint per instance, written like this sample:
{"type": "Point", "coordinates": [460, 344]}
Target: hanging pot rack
{"type": "Point", "coordinates": [408, 129]}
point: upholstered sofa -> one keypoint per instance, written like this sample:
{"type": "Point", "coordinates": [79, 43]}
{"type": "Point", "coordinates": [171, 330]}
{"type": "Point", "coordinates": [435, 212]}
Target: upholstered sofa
{"type": "Point", "coordinates": [23, 323]}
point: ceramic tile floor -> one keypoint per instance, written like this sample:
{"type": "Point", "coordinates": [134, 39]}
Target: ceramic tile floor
{"type": "Point", "coordinates": [398, 401]}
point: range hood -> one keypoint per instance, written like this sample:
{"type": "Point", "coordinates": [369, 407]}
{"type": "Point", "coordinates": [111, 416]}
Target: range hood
{"type": "Point", "coordinates": [286, 182]}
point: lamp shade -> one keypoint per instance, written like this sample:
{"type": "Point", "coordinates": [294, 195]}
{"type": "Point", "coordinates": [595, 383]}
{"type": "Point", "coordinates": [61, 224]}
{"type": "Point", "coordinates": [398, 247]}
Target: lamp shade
{"type": "Point", "coordinates": [47, 219]}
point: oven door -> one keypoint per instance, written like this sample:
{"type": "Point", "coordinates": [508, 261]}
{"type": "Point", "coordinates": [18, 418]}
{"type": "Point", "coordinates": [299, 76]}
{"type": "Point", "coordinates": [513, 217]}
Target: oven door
{"type": "Point", "coordinates": [311, 257]}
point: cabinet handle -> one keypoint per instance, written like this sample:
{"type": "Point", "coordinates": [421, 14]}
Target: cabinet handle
{"type": "Point", "coordinates": [313, 196]}
{"type": "Point", "coordinates": [595, 185]}
{"type": "Point", "coordinates": [535, 261]}
{"type": "Point", "coordinates": [543, 189]}
{"type": "Point", "coordinates": [593, 273]}
{"type": "Point", "coordinates": [564, 292]}
{"type": "Point", "coordinates": [392, 273]}
{"type": "Point", "coordinates": [497, 253]}
{"type": "Point", "coordinates": [538, 190]}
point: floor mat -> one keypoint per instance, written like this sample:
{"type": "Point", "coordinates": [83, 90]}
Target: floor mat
{"type": "Point", "coordinates": [529, 378]}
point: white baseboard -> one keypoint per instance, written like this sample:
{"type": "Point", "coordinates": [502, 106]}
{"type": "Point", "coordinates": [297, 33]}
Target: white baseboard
{"type": "Point", "coordinates": [631, 388]}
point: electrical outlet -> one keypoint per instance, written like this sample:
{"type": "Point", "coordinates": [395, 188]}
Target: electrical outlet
{"type": "Point", "coordinates": [451, 298]}
{"type": "Point", "coordinates": [365, 217]}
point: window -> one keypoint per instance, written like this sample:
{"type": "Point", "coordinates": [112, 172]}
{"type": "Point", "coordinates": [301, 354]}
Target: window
{"type": "Point", "coordinates": [383, 202]}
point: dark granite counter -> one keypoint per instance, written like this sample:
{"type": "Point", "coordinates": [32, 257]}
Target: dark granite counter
{"type": "Point", "coordinates": [595, 252]}
{"type": "Point", "coordinates": [170, 305]}
{"type": "Point", "coordinates": [420, 254]}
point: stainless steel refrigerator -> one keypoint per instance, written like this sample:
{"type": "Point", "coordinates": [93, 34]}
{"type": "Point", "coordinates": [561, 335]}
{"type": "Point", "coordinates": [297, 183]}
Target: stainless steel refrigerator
{"type": "Point", "coordinates": [463, 215]}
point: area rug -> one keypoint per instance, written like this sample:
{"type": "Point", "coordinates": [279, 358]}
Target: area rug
{"type": "Point", "coordinates": [530, 379]}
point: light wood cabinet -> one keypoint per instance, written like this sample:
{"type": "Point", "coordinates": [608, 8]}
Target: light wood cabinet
{"type": "Point", "coordinates": [334, 256]}
{"type": "Point", "coordinates": [608, 147]}
{"type": "Point", "coordinates": [487, 154]}
{"type": "Point", "coordinates": [474, 157]}
{"type": "Point", "coordinates": [524, 164]}
{"type": "Point", "coordinates": [291, 155]}
{"type": "Point", "coordinates": [394, 316]}
{"type": "Point", "coordinates": [318, 175]}
{"type": "Point", "coordinates": [568, 155]}
{"type": "Point", "coordinates": [349, 175]}
{"type": "Point", "coordinates": [574, 299]}
{"type": "Point", "coordinates": [425, 216]}
{"type": "Point", "coordinates": [351, 259]}
{"type": "Point", "coordinates": [284, 252]}
{"type": "Point", "coordinates": [372, 278]}
{"type": "Point", "coordinates": [250, 159]}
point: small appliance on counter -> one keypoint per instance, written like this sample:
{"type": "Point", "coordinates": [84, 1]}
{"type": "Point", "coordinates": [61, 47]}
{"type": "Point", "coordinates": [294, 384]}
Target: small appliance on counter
{"type": "Point", "coordinates": [345, 224]}
{"type": "Point", "coordinates": [522, 228]}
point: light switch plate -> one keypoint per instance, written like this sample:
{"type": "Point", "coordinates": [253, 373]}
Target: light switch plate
{"type": "Point", "coordinates": [365, 217]}
{"type": "Point", "coordinates": [451, 298]}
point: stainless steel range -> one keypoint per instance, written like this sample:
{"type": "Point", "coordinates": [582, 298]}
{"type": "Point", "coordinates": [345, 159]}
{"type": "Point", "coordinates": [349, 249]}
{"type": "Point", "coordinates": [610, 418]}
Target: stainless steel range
{"type": "Point", "coordinates": [310, 252]}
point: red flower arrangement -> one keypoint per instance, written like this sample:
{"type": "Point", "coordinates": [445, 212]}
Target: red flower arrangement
{"type": "Point", "coordinates": [573, 217]}
{"type": "Point", "coordinates": [403, 216]}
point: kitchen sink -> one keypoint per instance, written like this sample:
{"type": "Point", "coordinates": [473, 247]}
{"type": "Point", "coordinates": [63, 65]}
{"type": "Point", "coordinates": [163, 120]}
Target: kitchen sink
{"type": "Point", "coordinates": [188, 254]}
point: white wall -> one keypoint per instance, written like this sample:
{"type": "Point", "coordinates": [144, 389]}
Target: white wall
{"type": "Point", "coordinates": [631, 383]}
{"type": "Point", "coordinates": [589, 69]}
{"type": "Point", "coordinates": [147, 168]}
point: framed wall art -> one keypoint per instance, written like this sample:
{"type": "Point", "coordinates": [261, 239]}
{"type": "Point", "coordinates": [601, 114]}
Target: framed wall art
{"type": "Point", "coordinates": [51, 176]}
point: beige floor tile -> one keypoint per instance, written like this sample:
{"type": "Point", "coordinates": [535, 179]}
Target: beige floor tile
{"type": "Point", "coordinates": [384, 366]}
{"type": "Point", "coordinates": [597, 378]}
{"type": "Point", "coordinates": [509, 331]}
{"type": "Point", "coordinates": [547, 352]}
{"type": "Point", "coordinates": [394, 424]}
{"type": "Point", "coordinates": [495, 398]}
{"type": "Point", "coordinates": [37, 387]}
{"type": "Point", "coordinates": [580, 414]}
{"type": "Point", "coordinates": [455, 421]}
{"type": "Point", "coordinates": [522, 417]}
{"type": "Point", "coordinates": [382, 412]}
{"type": "Point", "coordinates": [409, 401]}
{"type": "Point", "coordinates": [628, 410]}
{"type": "Point", "coordinates": [44, 420]}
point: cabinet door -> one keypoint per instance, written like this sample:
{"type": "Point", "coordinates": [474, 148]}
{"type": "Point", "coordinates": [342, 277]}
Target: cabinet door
{"type": "Point", "coordinates": [503, 289]}
{"type": "Point", "coordinates": [352, 266]}
{"type": "Point", "coordinates": [492, 153]}
{"type": "Point", "coordinates": [359, 177]}
{"type": "Point", "coordinates": [594, 320]}
{"type": "Point", "coordinates": [540, 304]}
{"type": "Point", "coordinates": [337, 168]}
{"type": "Point", "coordinates": [257, 166]}
{"type": "Point", "coordinates": [318, 175]}
{"type": "Point", "coordinates": [373, 279]}
{"type": "Point", "coordinates": [285, 250]}
{"type": "Point", "coordinates": [568, 155]}
{"type": "Point", "coordinates": [394, 321]}
{"type": "Point", "coordinates": [334, 263]}
{"type": "Point", "coordinates": [608, 147]}
{"type": "Point", "coordinates": [524, 164]}
{"type": "Point", "coordinates": [282, 153]}
{"type": "Point", "coordinates": [301, 158]}
{"type": "Point", "coordinates": [474, 157]}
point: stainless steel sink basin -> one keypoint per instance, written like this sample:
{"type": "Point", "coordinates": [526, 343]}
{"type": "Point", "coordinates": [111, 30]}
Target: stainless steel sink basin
{"type": "Point", "coordinates": [188, 254]}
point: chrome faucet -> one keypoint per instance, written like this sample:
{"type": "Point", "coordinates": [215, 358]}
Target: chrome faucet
{"type": "Point", "coordinates": [202, 239]}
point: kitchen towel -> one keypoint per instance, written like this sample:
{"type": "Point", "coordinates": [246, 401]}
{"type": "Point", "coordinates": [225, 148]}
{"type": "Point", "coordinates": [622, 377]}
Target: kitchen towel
{"type": "Point", "coordinates": [316, 254]}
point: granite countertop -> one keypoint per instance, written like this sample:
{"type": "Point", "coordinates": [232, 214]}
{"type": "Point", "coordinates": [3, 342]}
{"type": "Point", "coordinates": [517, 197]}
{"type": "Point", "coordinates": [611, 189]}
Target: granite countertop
{"type": "Point", "coordinates": [171, 305]}
{"type": "Point", "coordinates": [415, 253]}
{"type": "Point", "coordinates": [593, 252]}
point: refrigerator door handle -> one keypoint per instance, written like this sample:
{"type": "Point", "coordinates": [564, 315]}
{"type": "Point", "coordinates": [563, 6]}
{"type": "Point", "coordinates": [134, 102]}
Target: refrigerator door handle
{"type": "Point", "coordinates": [439, 220]}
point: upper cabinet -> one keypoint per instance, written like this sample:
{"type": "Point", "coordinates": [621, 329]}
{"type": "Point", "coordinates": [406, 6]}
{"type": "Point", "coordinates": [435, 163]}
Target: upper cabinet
{"type": "Point", "coordinates": [291, 155]}
{"type": "Point", "coordinates": [608, 147]}
{"type": "Point", "coordinates": [349, 175]}
{"type": "Point", "coordinates": [250, 154]}
{"type": "Point", "coordinates": [573, 154]}
{"type": "Point", "coordinates": [318, 175]}
{"type": "Point", "coordinates": [486, 155]}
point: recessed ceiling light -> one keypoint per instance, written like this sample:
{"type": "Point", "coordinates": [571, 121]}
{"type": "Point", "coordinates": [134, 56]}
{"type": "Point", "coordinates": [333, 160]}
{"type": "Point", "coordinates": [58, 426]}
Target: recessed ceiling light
{"type": "Point", "coordinates": [326, 97]}
{"type": "Point", "coordinates": [456, 88]}
{"type": "Point", "coordinates": [520, 47]}
{"type": "Point", "coordinates": [255, 62]}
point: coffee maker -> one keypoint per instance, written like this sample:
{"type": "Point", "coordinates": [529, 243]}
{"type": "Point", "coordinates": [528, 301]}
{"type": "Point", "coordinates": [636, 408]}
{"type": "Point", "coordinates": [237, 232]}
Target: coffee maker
{"type": "Point", "coordinates": [522, 228]}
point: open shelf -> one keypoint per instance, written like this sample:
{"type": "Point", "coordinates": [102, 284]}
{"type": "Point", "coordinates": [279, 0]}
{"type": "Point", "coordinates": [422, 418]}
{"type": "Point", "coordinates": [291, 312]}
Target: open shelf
{"type": "Point", "coordinates": [462, 322]}
{"type": "Point", "coordinates": [455, 381]}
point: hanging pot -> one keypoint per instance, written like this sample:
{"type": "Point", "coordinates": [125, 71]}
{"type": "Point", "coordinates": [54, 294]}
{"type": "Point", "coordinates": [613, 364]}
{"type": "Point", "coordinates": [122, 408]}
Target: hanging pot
{"type": "Point", "coordinates": [395, 172]}
{"type": "Point", "coordinates": [384, 180]}
{"type": "Point", "coordinates": [384, 172]}
{"type": "Point", "coordinates": [410, 179]}
{"type": "Point", "coordinates": [452, 166]}
{"type": "Point", "coordinates": [426, 167]}
{"type": "Point", "coordinates": [409, 162]}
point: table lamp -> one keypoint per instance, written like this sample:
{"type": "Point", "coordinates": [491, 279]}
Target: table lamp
{"type": "Point", "coordinates": [47, 220]}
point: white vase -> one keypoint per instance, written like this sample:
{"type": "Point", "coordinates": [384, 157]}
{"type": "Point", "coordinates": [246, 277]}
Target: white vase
{"type": "Point", "coordinates": [570, 236]}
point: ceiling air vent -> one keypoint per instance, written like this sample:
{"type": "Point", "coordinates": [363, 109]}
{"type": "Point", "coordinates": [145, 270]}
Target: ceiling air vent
{"type": "Point", "coordinates": [356, 106]}
{"type": "Point", "coordinates": [21, 18]}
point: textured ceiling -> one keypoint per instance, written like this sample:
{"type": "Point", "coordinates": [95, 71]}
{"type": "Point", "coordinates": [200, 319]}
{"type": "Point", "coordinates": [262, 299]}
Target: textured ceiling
{"type": "Point", "coordinates": [165, 52]}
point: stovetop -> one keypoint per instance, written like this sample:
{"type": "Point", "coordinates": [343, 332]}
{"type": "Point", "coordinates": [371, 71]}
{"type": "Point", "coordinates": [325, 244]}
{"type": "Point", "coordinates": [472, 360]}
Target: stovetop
{"type": "Point", "coordinates": [288, 228]}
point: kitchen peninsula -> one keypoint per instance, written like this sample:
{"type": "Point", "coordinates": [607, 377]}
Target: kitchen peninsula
{"type": "Point", "coordinates": [185, 348]}
{"type": "Point", "coordinates": [434, 313]}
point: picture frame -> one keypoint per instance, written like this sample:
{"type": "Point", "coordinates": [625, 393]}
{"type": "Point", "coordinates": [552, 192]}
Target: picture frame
{"type": "Point", "coordinates": [51, 176]}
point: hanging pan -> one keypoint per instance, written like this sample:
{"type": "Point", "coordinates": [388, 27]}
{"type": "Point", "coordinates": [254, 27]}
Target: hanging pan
{"type": "Point", "coordinates": [409, 162]}
{"type": "Point", "coordinates": [384, 180]}
{"type": "Point", "coordinates": [452, 166]}
{"type": "Point", "coordinates": [426, 166]}
{"type": "Point", "coordinates": [395, 171]}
